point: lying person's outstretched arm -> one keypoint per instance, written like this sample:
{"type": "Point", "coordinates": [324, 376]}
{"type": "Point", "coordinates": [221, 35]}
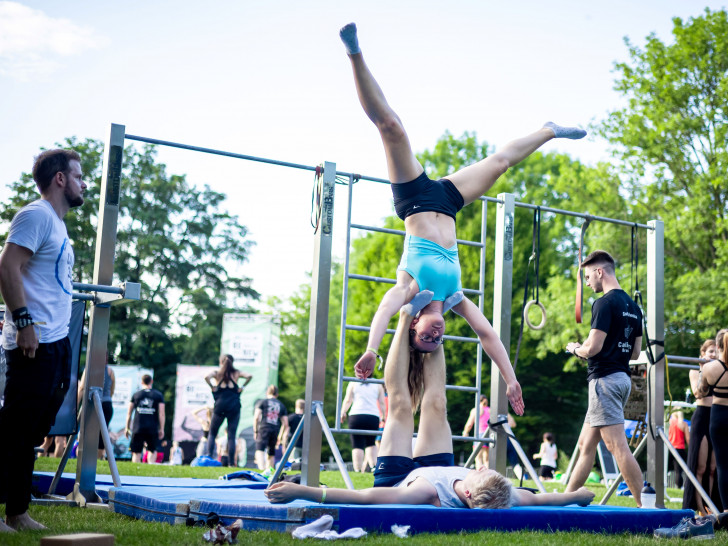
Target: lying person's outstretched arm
{"type": "Point", "coordinates": [581, 496]}
{"type": "Point", "coordinates": [419, 492]}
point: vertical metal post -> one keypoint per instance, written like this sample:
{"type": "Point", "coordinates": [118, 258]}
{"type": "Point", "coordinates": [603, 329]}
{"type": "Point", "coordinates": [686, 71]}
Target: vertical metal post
{"type": "Point", "coordinates": [344, 306]}
{"type": "Point", "coordinates": [481, 304]}
{"type": "Point", "coordinates": [318, 329]}
{"type": "Point", "coordinates": [656, 332]}
{"type": "Point", "coordinates": [84, 490]}
{"type": "Point", "coordinates": [502, 296]}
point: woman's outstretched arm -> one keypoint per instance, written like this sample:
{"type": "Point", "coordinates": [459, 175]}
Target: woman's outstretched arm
{"type": "Point", "coordinates": [493, 347]}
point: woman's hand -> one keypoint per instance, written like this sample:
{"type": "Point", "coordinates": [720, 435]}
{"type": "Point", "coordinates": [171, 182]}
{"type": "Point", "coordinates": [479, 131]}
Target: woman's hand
{"type": "Point", "coordinates": [515, 397]}
{"type": "Point", "coordinates": [365, 365]}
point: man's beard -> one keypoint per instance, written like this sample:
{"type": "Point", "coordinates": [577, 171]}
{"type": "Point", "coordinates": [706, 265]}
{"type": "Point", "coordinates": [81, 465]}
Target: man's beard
{"type": "Point", "coordinates": [73, 201]}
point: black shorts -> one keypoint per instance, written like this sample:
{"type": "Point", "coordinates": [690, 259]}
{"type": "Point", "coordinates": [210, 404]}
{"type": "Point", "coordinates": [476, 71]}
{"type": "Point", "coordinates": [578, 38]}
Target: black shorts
{"type": "Point", "coordinates": [392, 469]}
{"type": "Point", "coordinates": [426, 195]}
{"type": "Point", "coordinates": [268, 438]}
{"type": "Point", "coordinates": [546, 471]}
{"type": "Point", "coordinates": [363, 421]}
{"type": "Point", "coordinates": [138, 439]}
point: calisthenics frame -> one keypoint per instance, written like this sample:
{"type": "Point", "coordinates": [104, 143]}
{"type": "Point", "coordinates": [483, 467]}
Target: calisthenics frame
{"type": "Point", "coordinates": [103, 271]}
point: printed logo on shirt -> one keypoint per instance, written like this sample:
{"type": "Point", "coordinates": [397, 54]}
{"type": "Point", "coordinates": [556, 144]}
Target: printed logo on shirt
{"type": "Point", "coordinates": [627, 331]}
{"type": "Point", "coordinates": [146, 407]}
{"type": "Point", "coordinates": [64, 268]}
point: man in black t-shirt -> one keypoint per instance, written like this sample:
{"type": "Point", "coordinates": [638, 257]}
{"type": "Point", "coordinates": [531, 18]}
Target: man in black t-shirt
{"type": "Point", "coordinates": [615, 338]}
{"type": "Point", "coordinates": [148, 408]}
{"type": "Point", "coordinates": [270, 426]}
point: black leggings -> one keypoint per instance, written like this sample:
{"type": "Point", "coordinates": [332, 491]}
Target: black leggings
{"type": "Point", "coordinates": [719, 437]}
{"type": "Point", "coordinates": [233, 418]}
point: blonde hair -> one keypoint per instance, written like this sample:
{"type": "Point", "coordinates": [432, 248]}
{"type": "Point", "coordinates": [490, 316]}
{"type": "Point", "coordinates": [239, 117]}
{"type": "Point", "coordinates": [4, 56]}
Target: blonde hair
{"type": "Point", "coordinates": [493, 491]}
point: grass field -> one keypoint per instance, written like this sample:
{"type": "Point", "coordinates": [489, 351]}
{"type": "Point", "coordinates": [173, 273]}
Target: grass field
{"type": "Point", "coordinates": [63, 520]}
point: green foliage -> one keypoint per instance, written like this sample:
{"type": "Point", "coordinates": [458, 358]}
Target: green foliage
{"type": "Point", "coordinates": [671, 138]}
{"type": "Point", "coordinates": [292, 372]}
{"type": "Point", "coordinates": [173, 238]}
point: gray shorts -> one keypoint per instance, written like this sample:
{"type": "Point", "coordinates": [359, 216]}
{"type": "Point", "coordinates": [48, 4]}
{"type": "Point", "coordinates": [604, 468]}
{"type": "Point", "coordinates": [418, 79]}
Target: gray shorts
{"type": "Point", "coordinates": [607, 399]}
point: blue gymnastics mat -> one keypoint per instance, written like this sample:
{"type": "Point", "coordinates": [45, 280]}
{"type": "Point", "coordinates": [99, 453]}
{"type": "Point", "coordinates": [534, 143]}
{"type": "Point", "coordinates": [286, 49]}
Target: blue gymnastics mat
{"type": "Point", "coordinates": [190, 500]}
{"type": "Point", "coordinates": [183, 504]}
{"type": "Point", "coordinates": [42, 481]}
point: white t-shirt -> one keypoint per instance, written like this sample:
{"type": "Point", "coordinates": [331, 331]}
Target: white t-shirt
{"type": "Point", "coordinates": [443, 479]}
{"type": "Point", "coordinates": [549, 454]}
{"type": "Point", "coordinates": [47, 275]}
{"type": "Point", "coordinates": [366, 397]}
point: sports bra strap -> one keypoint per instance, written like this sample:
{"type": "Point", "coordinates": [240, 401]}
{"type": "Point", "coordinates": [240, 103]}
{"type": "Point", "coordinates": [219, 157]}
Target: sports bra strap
{"type": "Point", "coordinates": [715, 387]}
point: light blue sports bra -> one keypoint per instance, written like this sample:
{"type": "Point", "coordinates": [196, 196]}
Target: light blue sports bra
{"type": "Point", "coordinates": [433, 267]}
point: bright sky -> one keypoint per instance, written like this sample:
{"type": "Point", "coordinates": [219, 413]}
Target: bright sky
{"type": "Point", "coordinates": [271, 79]}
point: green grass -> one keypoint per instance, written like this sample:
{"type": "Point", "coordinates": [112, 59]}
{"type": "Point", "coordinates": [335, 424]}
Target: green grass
{"type": "Point", "coordinates": [128, 531]}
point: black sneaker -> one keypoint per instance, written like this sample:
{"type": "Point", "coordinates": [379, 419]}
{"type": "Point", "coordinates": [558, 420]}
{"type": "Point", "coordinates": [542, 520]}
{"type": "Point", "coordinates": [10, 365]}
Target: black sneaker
{"type": "Point", "coordinates": [688, 528]}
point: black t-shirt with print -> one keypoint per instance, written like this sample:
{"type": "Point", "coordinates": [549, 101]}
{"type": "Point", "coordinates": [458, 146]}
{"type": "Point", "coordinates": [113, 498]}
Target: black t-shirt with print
{"type": "Point", "coordinates": [146, 410]}
{"type": "Point", "coordinates": [272, 409]}
{"type": "Point", "coordinates": [619, 316]}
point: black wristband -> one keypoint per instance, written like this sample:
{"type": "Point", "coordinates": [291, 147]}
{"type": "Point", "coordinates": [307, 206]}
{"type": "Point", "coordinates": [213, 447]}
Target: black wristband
{"type": "Point", "coordinates": [19, 312]}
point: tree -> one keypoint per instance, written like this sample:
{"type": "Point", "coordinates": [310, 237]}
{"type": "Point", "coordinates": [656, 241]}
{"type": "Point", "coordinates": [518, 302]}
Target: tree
{"type": "Point", "coordinates": [671, 139]}
{"type": "Point", "coordinates": [173, 238]}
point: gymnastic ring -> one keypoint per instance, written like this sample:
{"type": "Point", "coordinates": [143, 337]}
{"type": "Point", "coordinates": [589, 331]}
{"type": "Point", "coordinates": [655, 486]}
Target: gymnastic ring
{"type": "Point", "coordinates": [543, 315]}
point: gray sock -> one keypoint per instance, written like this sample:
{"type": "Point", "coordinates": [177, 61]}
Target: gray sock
{"type": "Point", "coordinates": [418, 303]}
{"type": "Point", "coordinates": [348, 36]}
{"type": "Point", "coordinates": [452, 301]}
{"type": "Point", "coordinates": [574, 133]}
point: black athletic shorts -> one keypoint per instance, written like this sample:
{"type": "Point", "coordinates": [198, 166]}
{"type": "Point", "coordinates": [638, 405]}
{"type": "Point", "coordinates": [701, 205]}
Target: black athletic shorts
{"type": "Point", "coordinates": [138, 439]}
{"type": "Point", "coordinates": [363, 421]}
{"type": "Point", "coordinates": [392, 469]}
{"type": "Point", "coordinates": [268, 438]}
{"type": "Point", "coordinates": [426, 195]}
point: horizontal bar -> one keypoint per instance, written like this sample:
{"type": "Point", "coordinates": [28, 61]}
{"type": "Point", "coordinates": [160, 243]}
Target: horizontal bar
{"type": "Point", "coordinates": [381, 382]}
{"type": "Point", "coordinates": [677, 358]}
{"type": "Point", "coordinates": [391, 331]}
{"type": "Point", "coordinates": [400, 232]}
{"type": "Point", "coordinates": [582, 215]}
{"type": "Point", "coordinates": [83, 297]}
{"type": "Point", "coordinates": [213, 151]}
{"type": "Point", "coordinates": [469, 291]}
{"type": "Point", "coordinates": [97, 288]}
{"type": "Point", "coordinates": [684, 366]}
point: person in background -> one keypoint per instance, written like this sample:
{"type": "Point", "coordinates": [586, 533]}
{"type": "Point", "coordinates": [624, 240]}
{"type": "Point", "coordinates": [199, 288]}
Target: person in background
{"type": "Point", "coordinates": [176, 454]}
{"type": "Point", "coordinates": [679, 436]}
{"type": "Point", "coordinates": [293, 421]}
{"type": "Point", "coordinates": [270, 426]}
{"type": "Point", "coordinates": [226, 391]}
{"type": "Point", "coordinates": [365, 404]}
{"type": "Point", "coordinates": [701, 459]}
{"type": "Point", "coordinates": [714, 381]}
{"type": "Point", "coordinates": [481, 459]}
{"type": "Point", "coordinates": [147, 405]}
{"type": "Point", "coordinates": [549, 456]}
